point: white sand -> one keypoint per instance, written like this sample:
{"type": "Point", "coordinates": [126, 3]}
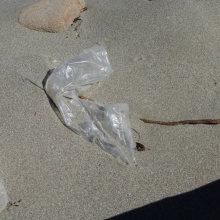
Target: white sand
{"type": "Point", "coordinates": [166, 60]}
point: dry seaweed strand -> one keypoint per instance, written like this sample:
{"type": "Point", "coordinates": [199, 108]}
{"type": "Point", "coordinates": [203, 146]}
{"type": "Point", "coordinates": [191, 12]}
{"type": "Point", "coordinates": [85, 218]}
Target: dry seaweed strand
{"type": "Point", "coordinates": [136, 133]}
{"type": "Point", "coordinates": [84, 97]}
{"type": "Point", "coordinates": [15, 204]}
{"type": "Point", "coordinates": [140, 147]}
{"type": "Point", "coordinates": [189, 122]}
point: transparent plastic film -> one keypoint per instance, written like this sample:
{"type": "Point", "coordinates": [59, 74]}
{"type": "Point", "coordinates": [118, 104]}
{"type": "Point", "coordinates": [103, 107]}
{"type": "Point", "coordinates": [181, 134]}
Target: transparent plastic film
{"type": "Point", "coordinates": [106, 125]}
{"type": "Point", "coordinates": [3, 196]}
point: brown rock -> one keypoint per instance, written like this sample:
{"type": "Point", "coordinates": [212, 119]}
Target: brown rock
{"type": "Point", "coordinates": [51, 15]}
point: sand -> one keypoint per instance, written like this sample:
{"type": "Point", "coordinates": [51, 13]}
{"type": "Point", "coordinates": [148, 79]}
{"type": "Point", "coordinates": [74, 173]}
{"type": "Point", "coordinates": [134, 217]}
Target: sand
{"type": "Point", "coordinates": [165, 55]}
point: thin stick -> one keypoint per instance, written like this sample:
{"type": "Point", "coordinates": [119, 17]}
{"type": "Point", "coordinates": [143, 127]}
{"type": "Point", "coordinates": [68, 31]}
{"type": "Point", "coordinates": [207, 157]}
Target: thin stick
{"type": "Point", "coordinates": [84, 97]}
{"type": "Point", "coordinates": [191, 122]}
{"type": "Point", "coordinates": [25, 79]}
{"type": "Point", "coordinates": [136, 133]}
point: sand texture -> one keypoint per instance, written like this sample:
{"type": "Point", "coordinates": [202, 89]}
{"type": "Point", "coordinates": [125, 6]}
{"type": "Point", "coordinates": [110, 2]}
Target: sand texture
{"type": "Point", "coordinates": [166, 61]}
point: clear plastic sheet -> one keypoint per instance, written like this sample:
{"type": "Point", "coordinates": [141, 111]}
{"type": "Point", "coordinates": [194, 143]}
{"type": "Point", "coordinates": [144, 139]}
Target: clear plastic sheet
{"type": "Point", "coordinates": [3, 196]}
{"type": "Point", "coordinates": [106, 125]}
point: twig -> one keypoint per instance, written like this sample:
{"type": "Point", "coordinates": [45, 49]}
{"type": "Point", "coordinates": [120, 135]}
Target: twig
{"type": "Point", "coordinates": [84, 97]}
{"type": "Point", "coordinates": [25, 79]}
{"type": "Point", "coordinates": [191, 122]}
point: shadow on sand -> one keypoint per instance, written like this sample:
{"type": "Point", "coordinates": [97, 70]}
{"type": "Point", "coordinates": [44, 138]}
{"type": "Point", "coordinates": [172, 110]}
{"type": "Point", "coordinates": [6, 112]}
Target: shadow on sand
{"type": "Point", "coordinates": [199, 204]}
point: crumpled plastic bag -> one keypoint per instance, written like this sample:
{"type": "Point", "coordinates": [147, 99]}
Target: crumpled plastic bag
{"type": "Point", "coordinates": [106, 125]}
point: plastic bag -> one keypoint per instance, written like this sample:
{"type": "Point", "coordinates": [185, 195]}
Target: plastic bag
{"type": "Point", "coordinates": [105, 125]}
{"type": "Point", "coordinates": [3, 196]}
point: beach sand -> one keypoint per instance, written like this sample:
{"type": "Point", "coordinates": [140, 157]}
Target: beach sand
{"type": "Point", "coordinates": [165, 56]}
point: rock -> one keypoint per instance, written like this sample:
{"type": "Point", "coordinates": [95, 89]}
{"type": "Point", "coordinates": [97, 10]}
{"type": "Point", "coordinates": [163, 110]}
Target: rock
{"type": "Point", "coordinates": [51, 15]}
